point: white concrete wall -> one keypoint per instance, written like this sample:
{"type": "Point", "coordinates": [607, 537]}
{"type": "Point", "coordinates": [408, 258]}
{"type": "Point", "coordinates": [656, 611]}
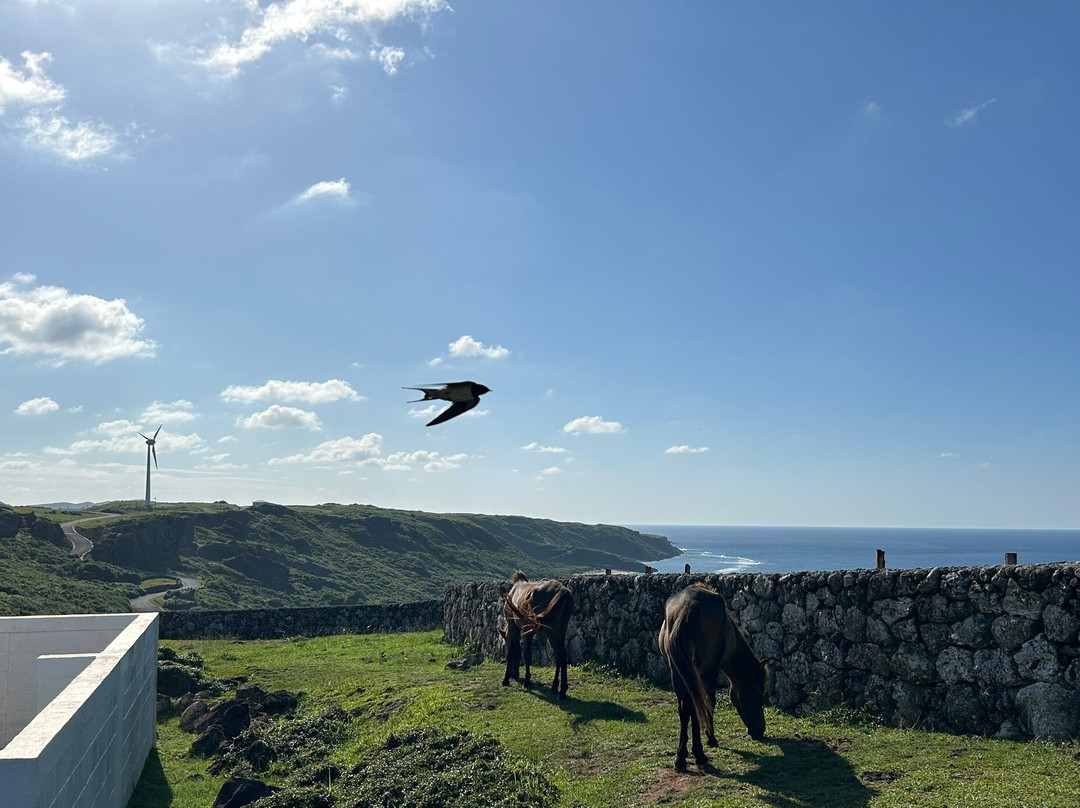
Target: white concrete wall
{"type": "Point", "coordinates": [87, 746]}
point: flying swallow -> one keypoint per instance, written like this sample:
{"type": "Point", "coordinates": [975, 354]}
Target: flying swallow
{"type": "Point", "coordinates": [463, 396]}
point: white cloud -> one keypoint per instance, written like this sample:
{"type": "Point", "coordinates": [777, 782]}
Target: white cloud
{"type": "Point", "coordinates": [24, 277]}
{"type": "Point", "coordinates": [684, 449]}
{"type": "Point", "coordinates": [536, 447]}
{"type": "Point", "coordinates": [330, 189]}
{"type": "Point", "coordinates": [17, 465]}
{"type": "Point", "coordinates": [45, 127]}
{"type": "Point", "coordinates": [302, 19]}
{"type": "Point", "coordinates": [341, 450]}
{"type": "Point", "coordinates": [161, 412]}
{"type": "Point", "coordinates": [29, 87]}
{"type": "Point", "coordinates": [966, 116]}
{"type": "Point", "coordinates": [123, 436]}
{"type": "Point", "coordinates": [593, 425]}
{"type": "Point", "coordinates": [53, 321]}
{"type": "Point", "coordinates": [435, 362]}
{"type": "Point", "coordinates": [427, 412]}
{"type": "Point", "coordinates": [304, 392]}
{"type": "Point", "coordinates": [550, 470]}
{"type": "Point", "coordinates": [56, 134]}
{"type": "Point", "coordinates": [37, 406]}
{"type": "Point", "coordinates": [389, 57]}
{"type": "Point", "coordinates": [334, 54]}
{"type": "Point", "coordinates": [226, 439]}
{"type": "Point", "coordinates": [278, 417]}
{"type": "Point", "coordinates": [466, 346]}
{"type": "Point", "coordinates": [434, 462]}
{"type": "Point", "coordinates": [950, 455]}
{"type": "Point", "coordinates": [338, 94]}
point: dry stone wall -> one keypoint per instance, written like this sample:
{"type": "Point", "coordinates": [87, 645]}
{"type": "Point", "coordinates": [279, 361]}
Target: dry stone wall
{"type": "Point", "coordinates": [311, 621]}
{"type": "Point", "coordinates": [985, 650]}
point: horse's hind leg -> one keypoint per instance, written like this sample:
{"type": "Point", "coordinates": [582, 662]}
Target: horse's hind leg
{"type": "Point", "coordinates": [561, 663]}
{"type": "Point", "coordinates": [684, 719]}
{"type": "Point", "coordinates": [528, 661]}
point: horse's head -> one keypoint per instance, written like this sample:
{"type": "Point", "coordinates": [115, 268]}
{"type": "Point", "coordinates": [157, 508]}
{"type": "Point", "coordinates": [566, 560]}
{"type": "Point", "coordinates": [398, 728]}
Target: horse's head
{"type": "Point", "coordinates": [749, 698]}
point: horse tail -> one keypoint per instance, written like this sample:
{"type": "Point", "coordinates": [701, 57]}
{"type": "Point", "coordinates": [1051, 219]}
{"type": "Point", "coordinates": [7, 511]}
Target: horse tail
{"type": "Point", "coordinates": [683, 657]}
{"type": "Point", "coordinates": [557, 599]}
{"type": "Point", "coordinates": [518, 576]}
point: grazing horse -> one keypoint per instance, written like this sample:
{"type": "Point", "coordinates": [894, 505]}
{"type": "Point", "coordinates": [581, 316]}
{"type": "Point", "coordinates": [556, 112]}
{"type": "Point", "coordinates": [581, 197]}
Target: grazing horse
{"type": "Point", "coordinates": [541, 607]}
{"type": "Point", "coordinates": [698, 639]}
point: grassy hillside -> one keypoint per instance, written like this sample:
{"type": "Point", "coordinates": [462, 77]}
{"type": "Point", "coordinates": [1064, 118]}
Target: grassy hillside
{"type": "Point", "coordinates": [611, 743]}
{"type": "Point", "coordinates": [38, 574]}
{"type": "Point", "coordinates": [272, 555]}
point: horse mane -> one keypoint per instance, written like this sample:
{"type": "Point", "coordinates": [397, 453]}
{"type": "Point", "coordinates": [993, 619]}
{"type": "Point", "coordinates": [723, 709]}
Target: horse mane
{"type": "Point", "coordinates": [531, 621]}
{"type": "Point", "coordinates": [518, 576]}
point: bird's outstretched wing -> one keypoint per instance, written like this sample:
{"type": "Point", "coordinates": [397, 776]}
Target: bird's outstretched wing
{"type": "Point", "coordinates": [454, 410]}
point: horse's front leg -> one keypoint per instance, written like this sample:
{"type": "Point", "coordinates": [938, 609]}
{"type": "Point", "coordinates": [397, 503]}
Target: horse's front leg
{"type": "Point", "coordinates": [528, 660]}
{"type": "Point", "coordinates": [513, 660]}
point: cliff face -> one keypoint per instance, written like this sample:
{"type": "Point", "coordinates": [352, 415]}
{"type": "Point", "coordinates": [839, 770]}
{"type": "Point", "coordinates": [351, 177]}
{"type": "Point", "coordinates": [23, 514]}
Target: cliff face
{"type": "Point", "coordinates": [11, 522]}
{"type": "Point", "coordinates": [147, 544]}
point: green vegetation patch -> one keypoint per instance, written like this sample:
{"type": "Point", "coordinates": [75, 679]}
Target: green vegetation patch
{"type": "Point", "coordinates": [612, 743]}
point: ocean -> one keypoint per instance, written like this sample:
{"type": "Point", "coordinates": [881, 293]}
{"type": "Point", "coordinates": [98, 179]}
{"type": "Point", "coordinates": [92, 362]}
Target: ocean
{"type": "Point", "coordinates": [719, 548]}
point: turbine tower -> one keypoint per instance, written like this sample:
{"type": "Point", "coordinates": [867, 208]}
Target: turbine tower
{"type": "Point", "coordinates": [150, 450]}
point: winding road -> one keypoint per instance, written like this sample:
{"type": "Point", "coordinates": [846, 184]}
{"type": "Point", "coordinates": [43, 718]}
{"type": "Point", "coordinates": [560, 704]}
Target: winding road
{"type": "Point", "coordinates": [80, 546]}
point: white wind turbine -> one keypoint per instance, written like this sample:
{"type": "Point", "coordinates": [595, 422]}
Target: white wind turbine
{"type": "Point", "coordinates": [150, 450]}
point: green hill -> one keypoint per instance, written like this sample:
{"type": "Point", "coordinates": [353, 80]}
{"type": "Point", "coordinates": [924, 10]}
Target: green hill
{"type": "Point", "coordinates": [38, 574]}
{"type": "Point", "coordinates": [273, 555]}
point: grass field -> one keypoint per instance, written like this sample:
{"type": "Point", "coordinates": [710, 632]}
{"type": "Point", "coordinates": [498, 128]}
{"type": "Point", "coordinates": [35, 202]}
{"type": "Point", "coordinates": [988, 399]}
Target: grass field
{"type": "Point", "coordinates": [612, 742]}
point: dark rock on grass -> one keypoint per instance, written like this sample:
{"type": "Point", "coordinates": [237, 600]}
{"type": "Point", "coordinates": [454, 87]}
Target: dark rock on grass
{"type": "Point", "coordinates": [164, 705]}
{"type": "Point", "coordinates": [466, 662]}
{"type": "Point", "coordinates": [192, 713]}
{"type": "Point", "coordinates": [207, 743]}
{"type": "Point", "coordinates": [240, 791]}
{"type": "Point", "coordinates": [261, 702]}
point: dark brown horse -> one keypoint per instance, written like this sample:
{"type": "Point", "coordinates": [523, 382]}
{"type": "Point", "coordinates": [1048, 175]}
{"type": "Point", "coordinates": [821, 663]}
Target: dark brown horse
{"type": "Point", "coordinates": [699, 639]}
{"type": "Point", "coordinates": [536, 608]}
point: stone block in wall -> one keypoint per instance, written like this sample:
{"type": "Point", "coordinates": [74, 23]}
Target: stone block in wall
{"type": "Point", "coordinates": [853, 624]}
{"type": "Point", "coordinates": [906, 630]}
{"type": "Point", "coordinates": [877, 632]}
{"type": "Point", "coordinates": [912, 663]}
{"type": "Point", "coordinates": [793, 619]}
{"type": "Point", "coordinates": [869, 657]}
{"type": "Point", "coordinates": [1022, 602]}
{"type": "Point", "coordinates": [1011, 632]}
{"type": "Point", "coordinates": [996, 667]}
{"type": "Point", "coordinates": [932, 608]}
{"type": "Point", "coordinates": [955, 665]}
{"type": "Point", "coordinates": [824, 688]}
{"type": "Point", "coordinates": [892, 609]}
{"type": "Point", "coordinates": [930, 583]}
{"type": "Point", "coordinates": [911, 704]}
{"type": "Point", "coordinates": [826, 624]}
{"type": "Point", "coordinates": [956, 584]}
{"type": "Point", "coordinates": [1049, 711]}
{"type": "Point", "coordinates": [1061, 624]}
{"type": "Point", "coordinates": [935, 636]}
{"type": "Point", "coordinates": [881, 584]}
{"type": "Point", "coordinates": [1037, 661]}
{"type": "Point", "coordinates": [972, 632]}
{"type": "Point", "coordinates": [965, 711]}
{"type": "Point", "coordinates": [1071, 677]}
{"type": "Point", "coordinates": [829, 653]}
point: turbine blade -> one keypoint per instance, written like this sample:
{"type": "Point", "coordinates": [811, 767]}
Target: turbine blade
{"type": "Point", "coordinates": [141, 435]}
{"type": "Point", "coordinates": [152, 449]}
{"type": "Point", "coordinates": [158, 430]}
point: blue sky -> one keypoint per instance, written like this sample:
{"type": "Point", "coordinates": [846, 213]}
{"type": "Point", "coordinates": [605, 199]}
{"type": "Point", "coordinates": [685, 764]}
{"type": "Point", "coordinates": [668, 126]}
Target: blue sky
{"type": "Point", "coordinates": [719, 263]}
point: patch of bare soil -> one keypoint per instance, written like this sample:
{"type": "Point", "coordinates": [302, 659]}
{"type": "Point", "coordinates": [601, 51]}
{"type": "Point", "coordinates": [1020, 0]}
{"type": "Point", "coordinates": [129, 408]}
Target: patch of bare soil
{"type": "Point", "coordinates": [671, 786]}
{"type": "Point", "coordinates": [879, 777]}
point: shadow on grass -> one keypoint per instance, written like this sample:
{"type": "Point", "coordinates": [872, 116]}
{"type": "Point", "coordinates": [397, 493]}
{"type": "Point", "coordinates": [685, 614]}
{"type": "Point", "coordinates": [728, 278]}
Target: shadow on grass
{"type": "Point", "coordinates": [586, 711]}
{"type": "Point", "coordinates": [152, 790]}
{"type": "Point", "coordinates": [807, 772]}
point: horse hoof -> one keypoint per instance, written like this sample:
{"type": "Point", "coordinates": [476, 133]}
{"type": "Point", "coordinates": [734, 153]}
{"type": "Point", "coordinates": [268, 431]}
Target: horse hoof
{"type": "Point", "coordinates": [506, 682]}
{"type": "Point", "coordinates": [680, 764]}
{"type": "Point", "coordinates": [712, 742]}
{"type": "Point", "coordinates": [701, 760]}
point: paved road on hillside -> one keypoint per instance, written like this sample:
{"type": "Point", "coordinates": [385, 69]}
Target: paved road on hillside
{"type": "Point", "coordinates": [80, 545]}
{"type": "Point", "coordinates": [143, 604]}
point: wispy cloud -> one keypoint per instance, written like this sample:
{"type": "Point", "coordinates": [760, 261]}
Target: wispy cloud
{"type": "Point", "coordinates": [37, 406]}
{"type": "Point", "coordinates": [871, 108]}
{"type": "Point", "coordinates": [289, 391]}
{"type": "Point", "coordinates": [466, 346]}
{"type": "Point", "coordinates": [548, 472]}
{"type": "Point", "coordinates": [301, 20]}
{"type": "Point", "coordinates": [123, 436]}
{"type": "Point", "coordinates": [949, 455]}
{"type": "Point", "coordinates": [51, 320]}
{"type": "Point", "coordinates": [966, 116]}
{"type": "Point", "coordinates": [684, 449]}
{"type": "Point", "coordinates": [593, 425]}
{"type": "Point", "coordinates": [44, 126]}
{"type": "Point", "coordinates": [340, 450]}
{"type": "Point", "coordinates": [174, 412]}
{"type": "Point", "coordinates": [278, 417]}
{"type": "Point", "coordinates": [536, 447]}
{"type": "Point", "coordinates": [388, 57]}
{"type": "Point", "coordinates": [337, 190]}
